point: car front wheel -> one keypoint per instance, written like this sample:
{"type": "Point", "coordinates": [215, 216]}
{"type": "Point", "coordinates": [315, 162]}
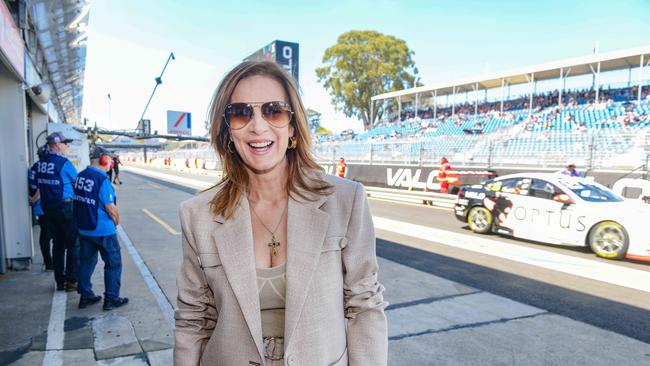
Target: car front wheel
{"type": "Point", "coordinates": [608, 239]}
{"type": "Point", "coordinates": [480, 220]}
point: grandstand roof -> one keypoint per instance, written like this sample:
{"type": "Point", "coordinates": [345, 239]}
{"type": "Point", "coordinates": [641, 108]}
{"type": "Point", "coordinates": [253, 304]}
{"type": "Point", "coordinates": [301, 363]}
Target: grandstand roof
{"type": "Point", "coordinates": [610, 61]}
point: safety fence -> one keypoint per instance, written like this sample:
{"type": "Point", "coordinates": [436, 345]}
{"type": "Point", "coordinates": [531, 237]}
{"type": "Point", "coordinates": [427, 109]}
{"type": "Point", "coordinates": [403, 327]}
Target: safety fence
{"type": "Point", "coordinates": [426, 198]}
{"type": "Point", "coordinates": [590, 149]}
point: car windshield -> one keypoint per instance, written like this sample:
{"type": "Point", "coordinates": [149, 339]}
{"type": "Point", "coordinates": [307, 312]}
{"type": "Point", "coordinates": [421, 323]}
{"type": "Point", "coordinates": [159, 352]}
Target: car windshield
{"type": "Point", "coordinates": [591, 192]}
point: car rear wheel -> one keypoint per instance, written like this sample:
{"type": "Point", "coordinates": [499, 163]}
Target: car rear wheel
{"type": "Point", "coordinates": [608, 239]}
{"type": "Point", "coordinates": [480, 220]}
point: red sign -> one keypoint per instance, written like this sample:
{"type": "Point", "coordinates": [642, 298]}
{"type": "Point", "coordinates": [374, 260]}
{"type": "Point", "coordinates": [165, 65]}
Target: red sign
{"type": "Point", "coordinates": [11, 44]}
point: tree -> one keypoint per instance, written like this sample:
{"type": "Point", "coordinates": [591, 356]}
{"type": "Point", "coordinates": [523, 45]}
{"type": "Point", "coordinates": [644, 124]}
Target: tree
{"type": "Point", "coordinates": [363, 64]}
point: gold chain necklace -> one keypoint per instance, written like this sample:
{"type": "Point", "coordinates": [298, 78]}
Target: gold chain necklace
{"type": "Point", "coordinates": [274, 243]}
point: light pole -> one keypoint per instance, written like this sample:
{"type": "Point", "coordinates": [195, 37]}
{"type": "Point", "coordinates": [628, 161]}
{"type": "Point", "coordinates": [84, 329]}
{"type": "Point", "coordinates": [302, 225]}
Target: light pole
{"type": "Point", "coordinates": [158, 82]}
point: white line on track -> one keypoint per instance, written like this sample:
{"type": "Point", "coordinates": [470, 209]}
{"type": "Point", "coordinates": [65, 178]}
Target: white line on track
{"type": "Point", "coordinates": [164, 305]}
{"type": "Point", "coordinates": [55, 330]}
{"type": "Point", "coordinates": [591, 269]}
{"type": "Point", "coordinates": [604, 272]}
{"type": "Point", "coordinates": [160, 221]}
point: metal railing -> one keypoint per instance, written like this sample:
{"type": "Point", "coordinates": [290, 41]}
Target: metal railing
{"type": "Point", "coordinates": [623, 148]}
{"type": "Point", "coordinates": [425, 198]}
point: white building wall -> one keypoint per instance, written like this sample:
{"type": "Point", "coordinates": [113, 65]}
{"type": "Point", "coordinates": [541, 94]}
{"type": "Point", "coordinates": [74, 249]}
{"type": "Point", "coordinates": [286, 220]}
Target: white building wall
{"type": "Point", "coordinates": [15, 227]}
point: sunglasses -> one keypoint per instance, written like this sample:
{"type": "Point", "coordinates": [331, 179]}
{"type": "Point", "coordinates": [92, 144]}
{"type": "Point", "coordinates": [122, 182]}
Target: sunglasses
{"type": "Point", "coordinates": [277, 114]}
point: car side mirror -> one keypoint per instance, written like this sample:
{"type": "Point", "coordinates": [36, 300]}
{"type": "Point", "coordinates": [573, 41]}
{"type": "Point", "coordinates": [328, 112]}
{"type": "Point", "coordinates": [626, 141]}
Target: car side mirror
{"type": "Point", "coordinates": [563, 198]}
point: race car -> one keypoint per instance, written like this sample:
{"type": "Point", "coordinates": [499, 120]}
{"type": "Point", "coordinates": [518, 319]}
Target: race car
{"type": "Point", "coordinates": [558, 209]}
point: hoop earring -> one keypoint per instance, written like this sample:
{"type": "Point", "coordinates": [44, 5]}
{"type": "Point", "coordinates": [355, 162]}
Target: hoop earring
{"type": "Point", "coordinates": [293, 142]}
{"type": "Point", "coordinates": [229, 147]}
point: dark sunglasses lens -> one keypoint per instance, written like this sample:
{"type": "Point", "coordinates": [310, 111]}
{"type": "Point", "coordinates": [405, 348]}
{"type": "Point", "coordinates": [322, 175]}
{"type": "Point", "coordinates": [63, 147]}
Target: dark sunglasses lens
{"type": "Point", "coordinates": [238, 115]}
{"type": "Point", "coordinates": [276, 113]}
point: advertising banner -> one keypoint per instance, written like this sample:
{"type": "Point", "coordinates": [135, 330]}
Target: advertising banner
{"type": "Point", "coordinates": [282, 52]}
{"type": "Point", "coordinates": [407, 177]}
{"type": "Point", "coordinates": [179, 123]}
{"type": "Point", "coordinates": [286, 54]}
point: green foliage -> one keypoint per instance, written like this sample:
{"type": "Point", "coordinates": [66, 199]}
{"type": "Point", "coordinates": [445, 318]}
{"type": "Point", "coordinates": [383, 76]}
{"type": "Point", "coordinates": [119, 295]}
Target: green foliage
{"type": "Point", "coordinates": [363, 64]}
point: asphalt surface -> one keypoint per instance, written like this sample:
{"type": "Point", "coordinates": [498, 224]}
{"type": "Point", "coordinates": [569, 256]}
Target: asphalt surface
{"type": "Point", "coordinates": [610, 307]}
{"type": "Point", "coordinates": [448, 306]}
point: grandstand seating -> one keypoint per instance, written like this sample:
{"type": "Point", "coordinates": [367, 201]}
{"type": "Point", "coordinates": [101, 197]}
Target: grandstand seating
{"type": "Point", "coordinates": [513, 137]}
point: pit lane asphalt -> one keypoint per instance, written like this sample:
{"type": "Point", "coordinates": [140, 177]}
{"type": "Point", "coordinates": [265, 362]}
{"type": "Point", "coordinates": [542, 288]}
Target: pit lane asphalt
{"type": "Point", "coordinates": [618, 309]}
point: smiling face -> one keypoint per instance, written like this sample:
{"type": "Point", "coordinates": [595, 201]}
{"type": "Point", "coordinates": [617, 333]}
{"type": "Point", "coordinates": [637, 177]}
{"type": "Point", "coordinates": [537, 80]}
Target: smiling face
{"type": "Point", "coordinates": [261, 146]}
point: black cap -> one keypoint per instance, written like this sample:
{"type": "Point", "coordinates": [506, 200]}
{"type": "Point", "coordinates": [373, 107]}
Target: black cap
{"type": "Point", "coordinates": [57, 137]}
{"type": "Point", "coordinates": [96, 152]}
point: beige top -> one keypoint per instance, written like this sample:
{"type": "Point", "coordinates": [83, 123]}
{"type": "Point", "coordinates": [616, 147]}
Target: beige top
{"type": "Point", "coordinates": [272, 284]}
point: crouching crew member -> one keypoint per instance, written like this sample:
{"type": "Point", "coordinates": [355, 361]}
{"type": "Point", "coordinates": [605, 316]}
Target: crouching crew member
{"type": "Point", "coordinates": [55, 176]}
{"type": "Point", "coordinates": [97, 217]}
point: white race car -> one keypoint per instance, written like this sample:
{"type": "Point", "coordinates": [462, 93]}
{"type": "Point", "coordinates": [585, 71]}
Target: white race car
{"type": "Point", "coordinates": [558, 209]}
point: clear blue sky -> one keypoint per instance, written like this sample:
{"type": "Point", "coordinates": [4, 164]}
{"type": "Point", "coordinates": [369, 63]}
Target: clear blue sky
{"type": "Point", "coordinates": [129, 42]}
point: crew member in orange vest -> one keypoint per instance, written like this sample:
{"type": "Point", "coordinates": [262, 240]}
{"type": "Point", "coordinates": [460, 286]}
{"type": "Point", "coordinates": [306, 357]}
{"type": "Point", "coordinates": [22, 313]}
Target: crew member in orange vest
{"type": "Point", "coordinates": [341, 166]}
{"type": "Point", "coordinates": [447, 176]}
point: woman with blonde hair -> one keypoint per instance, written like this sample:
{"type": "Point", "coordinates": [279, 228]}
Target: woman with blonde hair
{"type": "Point", "coordinates": [279, 263]}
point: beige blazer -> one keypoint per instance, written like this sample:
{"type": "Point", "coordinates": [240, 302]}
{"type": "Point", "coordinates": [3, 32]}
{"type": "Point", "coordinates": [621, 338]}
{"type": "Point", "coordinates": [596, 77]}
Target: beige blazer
{"type": "Point", "coordinates": [334, 304]}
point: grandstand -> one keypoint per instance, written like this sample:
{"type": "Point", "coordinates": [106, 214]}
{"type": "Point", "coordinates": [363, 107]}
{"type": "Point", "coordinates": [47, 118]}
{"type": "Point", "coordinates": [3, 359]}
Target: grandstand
{"type": "Point", "coordinates": [594, 127]}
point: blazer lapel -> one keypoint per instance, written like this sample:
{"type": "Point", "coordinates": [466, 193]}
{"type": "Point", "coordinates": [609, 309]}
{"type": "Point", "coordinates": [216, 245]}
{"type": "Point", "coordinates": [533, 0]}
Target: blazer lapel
{"type": "Point", "coordinates": [234, 239]}
{"type": "Point", "coordinates": [306, 229]}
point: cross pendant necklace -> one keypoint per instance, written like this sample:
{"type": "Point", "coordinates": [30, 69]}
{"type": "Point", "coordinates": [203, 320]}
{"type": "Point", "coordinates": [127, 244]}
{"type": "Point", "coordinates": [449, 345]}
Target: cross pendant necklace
{"type": "Point", "coordinates": [274, 243]}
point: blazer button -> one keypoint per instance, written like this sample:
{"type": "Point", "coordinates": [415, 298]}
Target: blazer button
{"type": "Point", "coordinates": [292, 360]}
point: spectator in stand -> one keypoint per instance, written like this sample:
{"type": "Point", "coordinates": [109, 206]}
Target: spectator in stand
{"type": "Point", "coordinates": [626, 121]}
{"type": "Point", "coordinates": [582, 126]}
{"type": "Point", "coordinates": [571, 171]}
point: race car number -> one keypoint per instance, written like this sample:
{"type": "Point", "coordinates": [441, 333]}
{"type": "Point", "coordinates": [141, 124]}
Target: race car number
{"type": "Point", "coordinates": [462, 202]}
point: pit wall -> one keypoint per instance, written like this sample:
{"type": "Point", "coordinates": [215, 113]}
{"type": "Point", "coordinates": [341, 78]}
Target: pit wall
{"type": "Point", "coordinates": [632, 185]}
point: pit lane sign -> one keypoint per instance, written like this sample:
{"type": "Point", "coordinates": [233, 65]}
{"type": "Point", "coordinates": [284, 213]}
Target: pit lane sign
{"type": "Point", "coordinates": [179, 123]}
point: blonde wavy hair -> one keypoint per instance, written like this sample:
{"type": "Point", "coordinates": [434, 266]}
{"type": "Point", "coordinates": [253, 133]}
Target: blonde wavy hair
{"type": "Point", "coordinates": [301, 163]}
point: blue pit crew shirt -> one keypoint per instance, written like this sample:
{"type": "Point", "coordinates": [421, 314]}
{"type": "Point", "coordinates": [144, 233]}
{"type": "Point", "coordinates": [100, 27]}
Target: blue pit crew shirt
{"type": "Point", "coordinates": [106, 195]}
{"type": "Point", "coordinates": [55, 176]}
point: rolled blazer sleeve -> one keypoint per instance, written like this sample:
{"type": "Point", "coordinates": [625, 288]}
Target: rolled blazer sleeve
{"type": "Point", "coordinates": [196, 314]}
{"type": "Point", "coordinates": [367, 333]}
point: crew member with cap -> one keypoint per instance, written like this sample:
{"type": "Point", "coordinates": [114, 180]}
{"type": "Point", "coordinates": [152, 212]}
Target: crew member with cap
{"type": "Point", "coordinates": [55, 176]}
{"type": "Point", "coordinates": [341, 166]}
{"type": "Point", "coordinates": [97, 217]}
{"type": "Point", "coordinates": [44, 238]}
